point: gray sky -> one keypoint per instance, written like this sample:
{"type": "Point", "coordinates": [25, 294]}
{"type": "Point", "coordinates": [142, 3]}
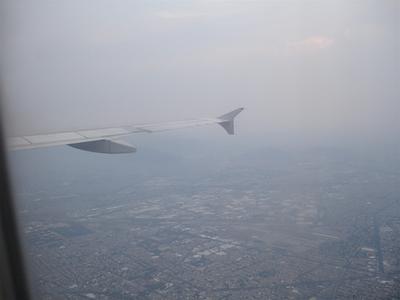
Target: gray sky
{"type": "Point", "coordinates": [300, 67]}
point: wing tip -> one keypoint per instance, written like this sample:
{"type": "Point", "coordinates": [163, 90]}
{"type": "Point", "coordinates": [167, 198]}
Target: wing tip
{"type": "Point", "coordinates": [227, 120]}
{"type": "Point", "coordinates": [231, 115]}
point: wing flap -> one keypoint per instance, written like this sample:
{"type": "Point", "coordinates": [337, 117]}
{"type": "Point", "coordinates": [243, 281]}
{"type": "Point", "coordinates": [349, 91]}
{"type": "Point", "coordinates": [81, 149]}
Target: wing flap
{"type": "Point", "coordinates": [176, 125]}
{"type": "Point", "coordinates": [54, 137]}
{"type": "Point", "coordinates": [99, 133]}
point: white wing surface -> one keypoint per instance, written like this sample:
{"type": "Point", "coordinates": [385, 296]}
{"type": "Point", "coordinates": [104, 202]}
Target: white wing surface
{"type": "Point", "coordinates": [107, 140]}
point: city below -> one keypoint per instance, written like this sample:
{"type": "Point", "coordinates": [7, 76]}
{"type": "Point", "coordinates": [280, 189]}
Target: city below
{"type": "Point", "coordinates": [265, 225]}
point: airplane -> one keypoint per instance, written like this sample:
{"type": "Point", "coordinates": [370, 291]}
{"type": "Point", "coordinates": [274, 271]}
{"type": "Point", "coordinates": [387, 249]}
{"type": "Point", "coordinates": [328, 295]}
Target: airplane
{"type": "Point", "coordinates": [108, 140]}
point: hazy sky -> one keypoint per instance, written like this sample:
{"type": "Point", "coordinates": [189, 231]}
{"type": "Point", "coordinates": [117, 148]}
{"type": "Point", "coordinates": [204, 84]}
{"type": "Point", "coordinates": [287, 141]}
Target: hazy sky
{"type": "Point", "coordinates": [303, 67]}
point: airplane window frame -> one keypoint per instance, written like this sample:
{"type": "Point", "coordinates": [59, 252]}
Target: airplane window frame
{"type": "Point", "coordinates": [13, 282]}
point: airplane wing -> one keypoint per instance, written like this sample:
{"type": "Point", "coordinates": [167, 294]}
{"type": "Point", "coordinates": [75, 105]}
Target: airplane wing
{"type": "Point", "coordinates": [107, 140]}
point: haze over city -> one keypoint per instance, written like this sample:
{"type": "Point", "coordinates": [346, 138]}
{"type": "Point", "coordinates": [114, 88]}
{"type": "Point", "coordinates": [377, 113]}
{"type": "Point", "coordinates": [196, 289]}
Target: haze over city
{"type": "Point", "coordinates": [301, 203]}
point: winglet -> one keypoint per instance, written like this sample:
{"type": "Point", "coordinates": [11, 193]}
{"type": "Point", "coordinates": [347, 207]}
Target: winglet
{"type": "Point", "coordinates": [227, 120]}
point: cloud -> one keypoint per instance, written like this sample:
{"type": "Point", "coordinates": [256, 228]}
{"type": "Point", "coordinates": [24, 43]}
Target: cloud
{"type": "Point", "coordinates": [201, 10]}
{"type": "Point", "coordinates": [181, 15]}
{"type": "Point", "coordinates": [311, 44]}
